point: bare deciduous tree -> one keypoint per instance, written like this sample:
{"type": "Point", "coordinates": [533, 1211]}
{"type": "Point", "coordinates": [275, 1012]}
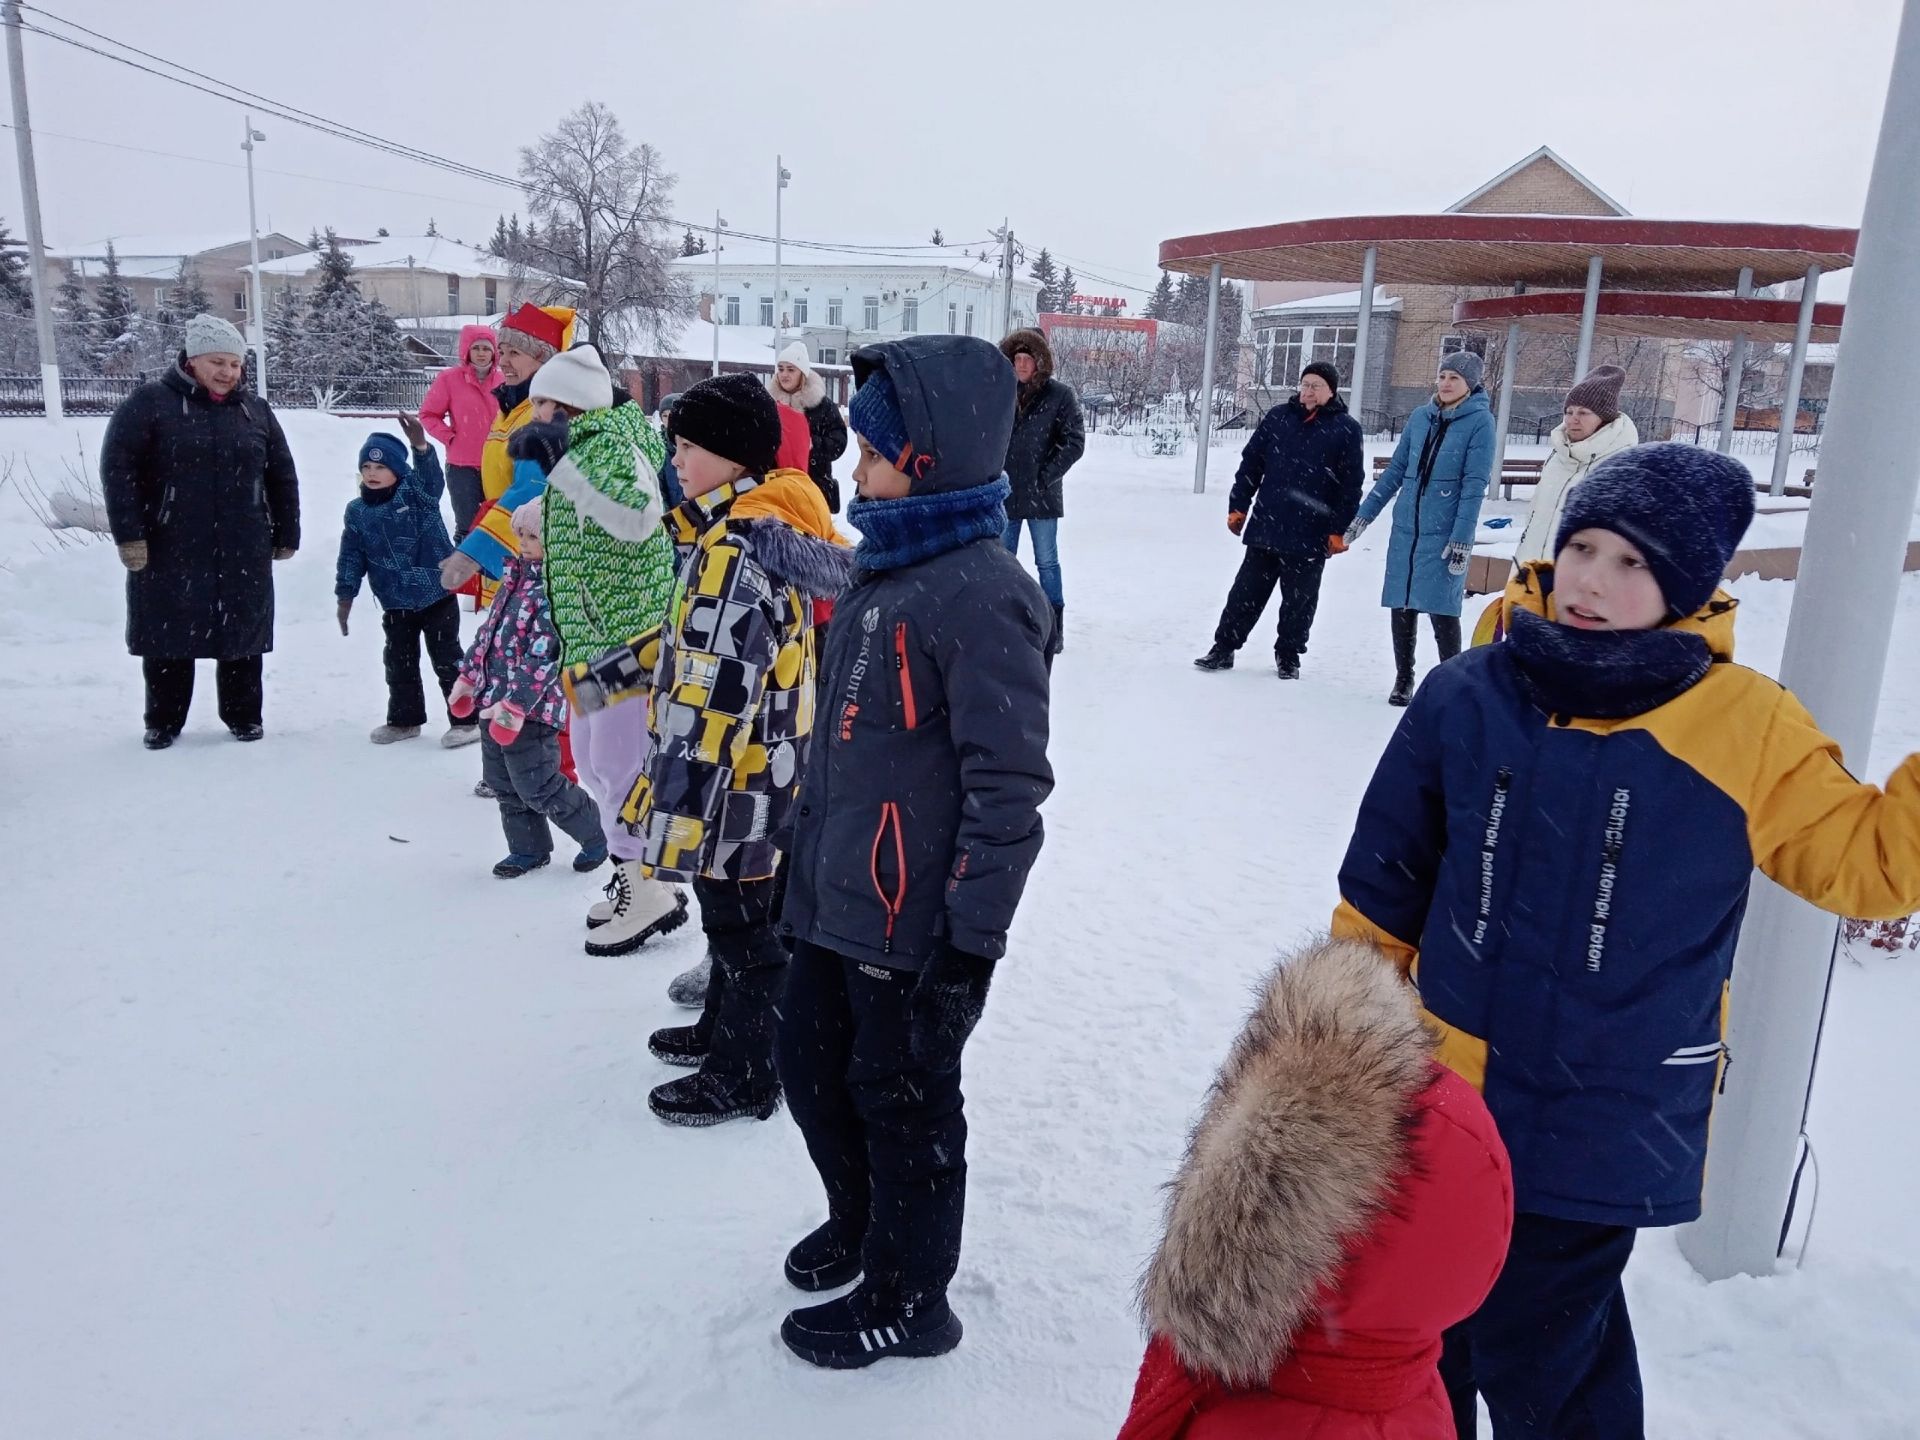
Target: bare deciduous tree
{"type": "Point", "coordinates": [603, 237]}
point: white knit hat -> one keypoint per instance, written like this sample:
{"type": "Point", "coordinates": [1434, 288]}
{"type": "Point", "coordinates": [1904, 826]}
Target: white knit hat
{"type": "Point", "coordinates": [576, 378]}
{"type": "Point", "coordinates": [796, 355]}
{"type": "Point", "coordinates": [210, 335]}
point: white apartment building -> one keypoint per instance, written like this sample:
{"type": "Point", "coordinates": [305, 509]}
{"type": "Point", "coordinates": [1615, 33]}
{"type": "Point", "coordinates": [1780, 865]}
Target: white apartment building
{"type": "Point", "coordinates": [837, 303]}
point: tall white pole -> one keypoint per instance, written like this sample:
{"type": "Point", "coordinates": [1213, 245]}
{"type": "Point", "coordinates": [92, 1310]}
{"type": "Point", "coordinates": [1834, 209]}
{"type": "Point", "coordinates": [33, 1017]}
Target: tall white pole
{"type": "Point", "coordinates": [30, 203]}
{"type": "Point", "coordinates": [1836, 653]}
{"type": "Point", "coordinates": [1204, 434]}
{"type": "Point", "coordinates": [257, 329]}
{"type": "Point", "coordinates": [1589, 310]}
{"type": "Point", "coordinates": [713, 310]}
{"type": "Point", "coordinates": [1796, 372]}
{"type": "Point", "coordinates": [1357, 382]}
{"type": "Point", "coordinates": [780, 178]}
{"type": "Point", "coordinates": [1736, 370]}
{"type": "Point", "coordinates": [1503, 419]}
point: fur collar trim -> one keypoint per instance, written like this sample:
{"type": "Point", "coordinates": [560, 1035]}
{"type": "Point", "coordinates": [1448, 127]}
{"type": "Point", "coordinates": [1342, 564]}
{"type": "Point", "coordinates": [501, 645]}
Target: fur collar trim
{"type": "Point", "coordinates": [1303, 1135]}
{"type": "Point", "coordinates": [812, 566]}
{"type": "Point", "coordinates": [811, 392]}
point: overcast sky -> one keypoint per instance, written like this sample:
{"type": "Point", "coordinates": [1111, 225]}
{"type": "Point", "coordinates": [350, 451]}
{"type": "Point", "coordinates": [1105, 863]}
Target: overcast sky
{"type": "Point", "coordinates": [1100, 128]}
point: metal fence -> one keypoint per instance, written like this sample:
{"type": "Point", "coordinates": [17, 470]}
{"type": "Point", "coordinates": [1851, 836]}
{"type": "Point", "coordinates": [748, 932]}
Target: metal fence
{"type": "Point", "coordinates": [100, 394]}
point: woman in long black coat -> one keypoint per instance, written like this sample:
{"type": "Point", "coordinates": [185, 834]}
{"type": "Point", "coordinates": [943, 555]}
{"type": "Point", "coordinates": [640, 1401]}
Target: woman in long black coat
{"type": "Point", "coordinates": [202, 498]}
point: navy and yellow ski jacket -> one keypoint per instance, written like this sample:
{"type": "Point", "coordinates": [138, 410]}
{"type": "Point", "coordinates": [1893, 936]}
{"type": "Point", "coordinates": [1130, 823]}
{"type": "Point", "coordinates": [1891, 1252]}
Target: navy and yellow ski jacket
{"type": "Point", "coordinates": [1566, 893]}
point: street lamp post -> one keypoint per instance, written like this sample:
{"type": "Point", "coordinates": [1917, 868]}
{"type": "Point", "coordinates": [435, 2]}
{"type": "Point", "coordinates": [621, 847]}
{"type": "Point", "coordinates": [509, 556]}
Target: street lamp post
{"type": "Point", "coordinates": [781, 176]}
{"type": "Point", "coordinates": [257, 333]}
{"type": "Point", "coordinates": [713, 311]}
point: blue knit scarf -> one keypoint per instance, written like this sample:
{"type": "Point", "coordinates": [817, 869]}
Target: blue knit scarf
{"type": "Point", "coordinates": [1603, 674]}
{"type": "Point", "coordinates": [898, 533]}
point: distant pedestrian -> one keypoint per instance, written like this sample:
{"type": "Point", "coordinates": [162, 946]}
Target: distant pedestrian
{"type": "Point", "coordinates": [1049, 436]}
{"type": "Point", "coordinates": [796, 386]}
{"type": "Point", "coordinates": [1295, 494]}
{"type": "Point", "coordinates": [1440, 471]}
{"type": "Point", "coordinates": [459, 410]}
{"type": "Point", "coordinates": [202, 497]}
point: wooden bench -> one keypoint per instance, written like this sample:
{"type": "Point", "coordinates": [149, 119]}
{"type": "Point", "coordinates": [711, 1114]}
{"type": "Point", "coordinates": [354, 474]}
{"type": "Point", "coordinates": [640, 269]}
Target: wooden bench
{"type": "Point", "coordinates": [1513, 471]}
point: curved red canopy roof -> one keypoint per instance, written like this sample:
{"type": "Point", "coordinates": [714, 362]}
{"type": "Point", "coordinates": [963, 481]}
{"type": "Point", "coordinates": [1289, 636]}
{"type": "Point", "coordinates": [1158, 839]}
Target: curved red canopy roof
{"type": "Point", "coordinates": [1662, 316]}
{"type": "Point", "coordinates": [1455, 249]}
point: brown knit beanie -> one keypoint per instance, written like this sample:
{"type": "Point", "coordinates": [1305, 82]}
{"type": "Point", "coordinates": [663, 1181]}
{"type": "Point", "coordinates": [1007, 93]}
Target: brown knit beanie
{"type": "Point", "coordinates": [1599, 391]}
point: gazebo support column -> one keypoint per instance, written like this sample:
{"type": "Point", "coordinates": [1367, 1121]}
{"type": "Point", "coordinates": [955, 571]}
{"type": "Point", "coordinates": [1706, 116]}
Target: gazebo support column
{"type": "Point", "coordinates": [1203, 434]}
{"type": "Point", "coordinates": [1796, 372]}
{"type": "Point", "coordinates": [1736, 370]}
{"type": "Point", "coordinates": [1835, 658]}
{"type": "Point", "coordinates": [1583, 356]}
{"type": "Point", "coordinates": [1357, 382]}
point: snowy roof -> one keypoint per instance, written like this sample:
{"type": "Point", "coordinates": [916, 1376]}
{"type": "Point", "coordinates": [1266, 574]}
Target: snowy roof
{"type": "Point", "coordinates": [739, 344]}
{"type": "Point", "coordinates": [758, 255]}
{"type": "Point", "coordinates": [1347, 300]}
{"type": "Point", "coordinates": [175, 246]}
{"type": "Point", "coordinates": [392, 252]}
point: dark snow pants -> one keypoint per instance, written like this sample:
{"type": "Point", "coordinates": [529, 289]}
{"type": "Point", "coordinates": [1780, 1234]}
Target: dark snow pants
{"type": "Point", "coordinates": [439, 626]}
{"type": "Point", "coordinates": [170, 691]}
{"type": "Point", "coordinates": [526, 778]}
{"type": "Point", "coordinates": [888, 1137]}
{"type": "Point", "coordinates": [1406, 631]}
{"type": "Point", "coordinates": [464, 489]}
{"type": "Point", "coordinates": [743, 989]}
{"type": "Point", "coordinates": [1298, 577]}
{"type": "Point", "coordinates": [1551, 1350]}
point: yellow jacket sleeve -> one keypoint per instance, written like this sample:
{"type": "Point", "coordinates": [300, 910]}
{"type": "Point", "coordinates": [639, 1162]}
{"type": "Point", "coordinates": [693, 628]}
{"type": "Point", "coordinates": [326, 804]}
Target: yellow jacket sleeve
{"type": "Point", "coordinates": [622, 673]}
{"type": "Point", "coordinates": [1836, 842]}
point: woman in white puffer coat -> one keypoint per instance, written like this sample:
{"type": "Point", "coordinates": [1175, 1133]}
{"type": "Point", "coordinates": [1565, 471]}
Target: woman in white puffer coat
{"type": "Point", "coordinates": [1592, 429]}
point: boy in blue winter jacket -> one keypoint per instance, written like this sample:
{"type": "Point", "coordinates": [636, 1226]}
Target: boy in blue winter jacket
{"type": "Point", "coordinates": [916, 829]}
{"type": "Point", "coordinates": [1556, 848]}
{"type": "Point", "coordinates": [394, 536]}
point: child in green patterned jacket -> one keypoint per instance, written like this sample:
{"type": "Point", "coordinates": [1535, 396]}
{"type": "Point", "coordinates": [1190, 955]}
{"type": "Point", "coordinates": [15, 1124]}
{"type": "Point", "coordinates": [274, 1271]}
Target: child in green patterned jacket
{"type": "Point", "coordinates": [610, 570]}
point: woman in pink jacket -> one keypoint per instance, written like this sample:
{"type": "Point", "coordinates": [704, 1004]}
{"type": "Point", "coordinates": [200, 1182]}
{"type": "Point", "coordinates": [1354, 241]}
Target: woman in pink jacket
{"type": "Point", "coordinates": [458, 412]}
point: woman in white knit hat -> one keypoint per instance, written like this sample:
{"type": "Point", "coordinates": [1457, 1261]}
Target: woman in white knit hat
{"type": "Point", "coordinates": [795, 385]}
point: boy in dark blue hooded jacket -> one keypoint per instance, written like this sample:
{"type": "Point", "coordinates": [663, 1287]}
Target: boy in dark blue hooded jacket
{"type": "Point", "coordinates": [918, 823]}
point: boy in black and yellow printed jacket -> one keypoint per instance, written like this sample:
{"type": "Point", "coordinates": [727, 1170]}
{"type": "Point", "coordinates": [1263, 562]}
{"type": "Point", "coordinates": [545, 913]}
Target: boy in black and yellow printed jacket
{"type": "Point", "coordinates": [730, 679]}
{"type": "Point", "coordinates": [917, 828]}
{"type": "Point", "coordinates": [1557, 847]}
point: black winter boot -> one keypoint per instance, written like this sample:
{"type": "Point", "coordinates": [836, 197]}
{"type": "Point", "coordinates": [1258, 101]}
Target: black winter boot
{"type": "Point", "coordinates": [858, 1329]}
{"type": "Point", "coordinates": [1405, 633]}
{"type": "Point", "coordinates": [825, 1260]}
{"type": "Point", "coordinates": [158, 739]}
{"type": "Point", "coordinates": [1218, 658]}
{"type": "Point", "coordinates": [737, 1077]}
{"type": "Point", "coordinates": [1286, 665]}
{"type": "Point", "coordinates": [688, 1044]}
{"type": "Point", "coordinates": [1059, 641]}
{"type": "Point", "coordinates": [705, 1098]}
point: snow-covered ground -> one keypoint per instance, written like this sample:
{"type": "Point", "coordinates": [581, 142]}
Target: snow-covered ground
{"type": "Point", "coordinates": [311, 1127]}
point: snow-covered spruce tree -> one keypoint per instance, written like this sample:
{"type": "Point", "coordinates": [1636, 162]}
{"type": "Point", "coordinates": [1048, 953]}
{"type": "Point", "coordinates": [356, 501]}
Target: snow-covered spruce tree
{"type": "Point", "coordinates": [73, 332]}
{"type": "Point", "coordinates": [123, 333]}
{"type": "Point", "coordinates": [1048, 300]}
{"type": "Point", "coordinates": [344, 343]}
{"type": "Point", "coordinates": [1068, 288]}
{"type": "Point", "coordinates": [1160, 306]}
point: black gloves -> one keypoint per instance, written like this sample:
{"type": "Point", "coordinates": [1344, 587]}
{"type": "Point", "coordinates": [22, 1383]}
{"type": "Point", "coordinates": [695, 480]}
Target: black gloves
{"type": "Point", "coordinates": [946, 1004]}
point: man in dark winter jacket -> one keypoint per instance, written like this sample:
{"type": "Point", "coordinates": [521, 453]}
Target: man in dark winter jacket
{"type": "Point", "coordinates": [1048, 437]}
{"type": "Point", "coordinates": [1300, 476]}
{"type": "Point", "coordinates": [202, 498]}
{"type": "Point", "coordinates": [918, 823]}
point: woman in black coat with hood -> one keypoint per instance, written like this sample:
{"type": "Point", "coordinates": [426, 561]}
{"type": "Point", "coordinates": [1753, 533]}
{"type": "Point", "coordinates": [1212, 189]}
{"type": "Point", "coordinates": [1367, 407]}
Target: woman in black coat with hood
{"type": "Point", "coordinates": [202, 498]}
{"type": "Point", "coordinates": [1048, 437]}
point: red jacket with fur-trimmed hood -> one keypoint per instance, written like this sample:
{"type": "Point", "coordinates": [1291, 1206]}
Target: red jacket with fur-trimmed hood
{"type": "Point", "coordinates": [1343, 1200]}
